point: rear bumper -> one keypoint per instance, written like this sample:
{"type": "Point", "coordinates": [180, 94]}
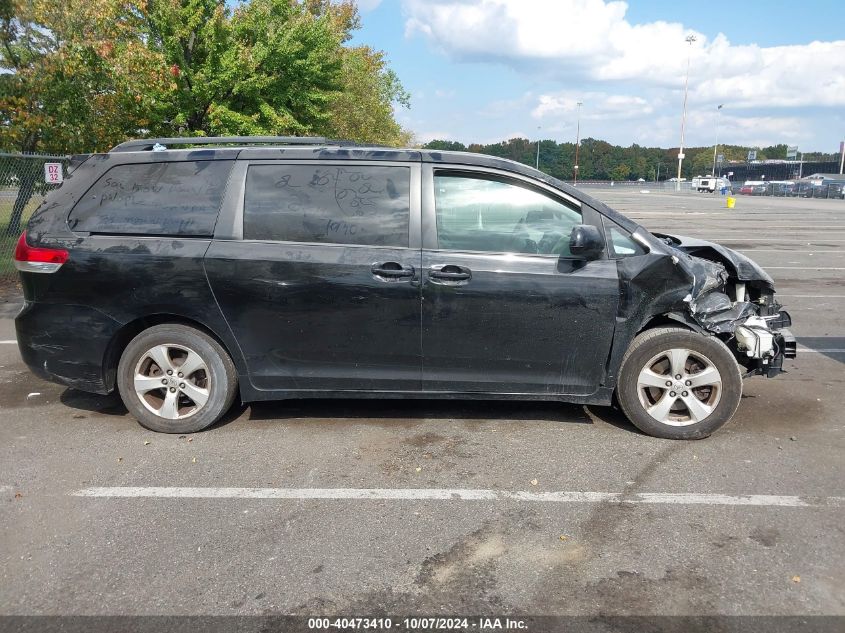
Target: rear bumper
{"type": "Point", "coordinates": [67, 344]}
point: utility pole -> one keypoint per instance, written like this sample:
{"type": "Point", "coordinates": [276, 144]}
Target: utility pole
{"type": "Point", "coordinates": [716, 145]}
{"type": "Point", "coordinates": [841, 156]}
{"type": "Point", "coordinates": [577, 141]}
{"type": "Point", "coordinates": [538, 148]}
{"type": "Point", "coordinates": [689, 40]}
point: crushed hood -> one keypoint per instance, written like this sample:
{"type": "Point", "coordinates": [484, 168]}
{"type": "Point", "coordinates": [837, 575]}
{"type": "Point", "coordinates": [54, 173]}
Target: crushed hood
{"type": "Point", "coordinates": [738, 265]}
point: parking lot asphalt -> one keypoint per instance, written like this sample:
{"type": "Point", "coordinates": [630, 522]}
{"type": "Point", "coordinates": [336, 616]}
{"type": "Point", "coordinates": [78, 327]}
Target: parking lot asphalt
{"type": "Point", "coordinates": [401, 507]}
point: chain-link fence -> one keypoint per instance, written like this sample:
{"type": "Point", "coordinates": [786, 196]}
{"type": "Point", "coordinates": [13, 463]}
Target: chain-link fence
{"type": "Point", "coordinates": [24, 181]}
{"type": "Point", "coordinates": [825, 189]}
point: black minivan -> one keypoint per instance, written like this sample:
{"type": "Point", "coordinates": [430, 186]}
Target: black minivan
{"type": "Point", "coordinates": [277, 267]}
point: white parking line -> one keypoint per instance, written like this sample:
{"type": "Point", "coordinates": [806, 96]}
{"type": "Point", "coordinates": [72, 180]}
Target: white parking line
{"type": "Point", "coordinates": [803, 268]}
{"type": "Point", "coordinates": [460, 494]}
{"type": "Point", "coordinates": [807, 350]}
{"type": "Point", "coordinates": [778, 240]}
{"type": "Point", "coordinates": [795, 252]}
{"type": "Point", "coordinates": [8, 342]}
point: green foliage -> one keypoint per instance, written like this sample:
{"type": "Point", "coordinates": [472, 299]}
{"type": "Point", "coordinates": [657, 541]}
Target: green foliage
{"type": "Point", "coordinates": [81, 76]}
{"type": "Point", "coordinates": [363, 110]}
{"type": "Point", "coordinates": [275, 67]}
{"type": "Point", "coordinates": [74, 76]}
{"type": "Point", "coordinates": [599, 160]}
{"type": "Point", "coordinates": [446, 146]}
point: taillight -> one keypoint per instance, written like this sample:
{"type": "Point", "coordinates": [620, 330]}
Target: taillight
{"type": "Point", "coordinates": [32, 259]}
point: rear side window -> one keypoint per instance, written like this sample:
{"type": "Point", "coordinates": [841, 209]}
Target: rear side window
{"type": "Point", "coordinates": [169, 198]}
{"type": "Point", "coordinates": [349, 204]}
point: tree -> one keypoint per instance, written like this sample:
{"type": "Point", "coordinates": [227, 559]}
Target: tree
{"type": "Point", "coordinates": [79, 76]}
{"type": "Point", "coordinates": [74, 76]}
{"type": "Point", "coordinates": [82, 75]}
{"type": "Point", "coordinates": [277, 67]}
{"type": "Point", "coordinates": [620, 172]}
{"type": "Point", "coordinates": [446, 146]}
{"type": "Point", "coordinates": [268, 67]}
{"type": "Point", "coordinates": [363, 109]}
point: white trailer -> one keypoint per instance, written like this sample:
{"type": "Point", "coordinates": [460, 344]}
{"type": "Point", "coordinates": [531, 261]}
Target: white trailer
{"type": "Point", "coordinates": [710, 184]}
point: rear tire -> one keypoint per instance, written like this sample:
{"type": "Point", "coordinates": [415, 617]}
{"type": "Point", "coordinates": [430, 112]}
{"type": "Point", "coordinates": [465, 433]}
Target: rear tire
{"type": "Point", "coordinates": [678, 384]}
{"type": "Point", "coordinates": [176, 379]}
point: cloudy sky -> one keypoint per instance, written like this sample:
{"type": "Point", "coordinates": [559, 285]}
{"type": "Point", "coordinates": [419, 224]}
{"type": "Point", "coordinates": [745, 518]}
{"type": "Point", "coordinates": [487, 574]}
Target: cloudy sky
{"type": "Point", "coordinates": [488, 70]}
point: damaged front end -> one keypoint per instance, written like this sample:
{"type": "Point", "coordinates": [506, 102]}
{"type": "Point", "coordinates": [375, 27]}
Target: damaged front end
{"type": "Point", "coordinates": [731, 297]}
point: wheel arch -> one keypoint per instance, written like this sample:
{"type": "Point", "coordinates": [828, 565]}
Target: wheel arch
{"type": "Point", "coordinates": [670, 319]}
{"type": "Point", "coordinates": [625, 335]}
{"type": "Point", "coordinates": [130, 330]}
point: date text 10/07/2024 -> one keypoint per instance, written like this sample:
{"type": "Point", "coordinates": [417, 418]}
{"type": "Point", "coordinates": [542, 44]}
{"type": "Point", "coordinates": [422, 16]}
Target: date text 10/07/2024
{"type": "Point", "coordinates": [419, 624]}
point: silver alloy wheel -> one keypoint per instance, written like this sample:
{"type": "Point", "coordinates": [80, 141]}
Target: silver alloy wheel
{"type": "Point", "coordinates": [679, 387]}
{"type": "Point", "coordinates": [172, 381]}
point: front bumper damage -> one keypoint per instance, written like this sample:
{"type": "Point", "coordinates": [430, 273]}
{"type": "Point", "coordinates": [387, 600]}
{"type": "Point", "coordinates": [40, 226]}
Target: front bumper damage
{"type": "Point", "coordinates": [733, 298]}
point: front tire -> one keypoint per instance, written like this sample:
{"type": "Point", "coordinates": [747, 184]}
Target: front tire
{"type": "Point", "coordinates": [678, 384]}
{"type": "Point", "coordinates": [176, 379]}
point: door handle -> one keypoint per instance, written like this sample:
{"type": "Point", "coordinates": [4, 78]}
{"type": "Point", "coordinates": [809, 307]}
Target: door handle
{"type": "Point", "coordinates": [392, 270]}
{"type": "Point", "coordinates": [450, 272]}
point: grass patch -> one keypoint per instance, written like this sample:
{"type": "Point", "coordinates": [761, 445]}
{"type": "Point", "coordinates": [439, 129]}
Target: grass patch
{"type": "Point", "coordinates": [8, 242]}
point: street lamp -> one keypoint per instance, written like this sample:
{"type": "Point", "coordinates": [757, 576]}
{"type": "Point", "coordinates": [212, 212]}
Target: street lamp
{"type": "Point", "coordinates": [689, 40]}
{"type": "Point", "coordinates": [716, 145]}
{"type": "Point", "coordinates": [577, 142]}
{"type": "Point", "coordinates": [538, 147]}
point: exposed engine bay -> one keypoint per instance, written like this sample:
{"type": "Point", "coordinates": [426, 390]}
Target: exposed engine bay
{"type": "Point", "coordinates": [733, 298]}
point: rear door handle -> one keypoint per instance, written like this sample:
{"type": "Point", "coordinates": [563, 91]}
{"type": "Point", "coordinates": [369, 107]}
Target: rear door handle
{"type": "Point", "coordinates": [450, 272]}
{"type": "Point", "coordinates": [392, 270]}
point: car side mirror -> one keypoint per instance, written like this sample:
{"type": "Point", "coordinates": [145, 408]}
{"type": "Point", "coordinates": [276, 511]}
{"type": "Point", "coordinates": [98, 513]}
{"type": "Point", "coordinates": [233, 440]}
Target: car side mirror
{"type": "Point", "coordinates": [586, 242]}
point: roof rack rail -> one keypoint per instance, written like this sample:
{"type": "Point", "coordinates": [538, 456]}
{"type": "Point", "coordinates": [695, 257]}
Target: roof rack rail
{"type": "Point", "coordinates": [147, 144]}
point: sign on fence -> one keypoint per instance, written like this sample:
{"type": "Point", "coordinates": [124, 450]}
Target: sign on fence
{"type": "Point", "coordinates": [53, 173]}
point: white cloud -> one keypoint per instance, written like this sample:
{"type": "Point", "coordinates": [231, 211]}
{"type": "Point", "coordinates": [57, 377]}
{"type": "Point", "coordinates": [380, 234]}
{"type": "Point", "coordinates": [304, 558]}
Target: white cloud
{"type": "Point", "coordinates": [597, 106]}
{"type": "Point", "coordinates": [591, 40]}
{"type": "Point", "coordinates": [702, 129]}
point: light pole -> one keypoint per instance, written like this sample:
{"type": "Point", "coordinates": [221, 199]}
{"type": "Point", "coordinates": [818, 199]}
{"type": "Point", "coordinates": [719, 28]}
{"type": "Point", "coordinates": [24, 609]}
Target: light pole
{"type": "Point", "coordinates": [577, 142]}
{"type": "Point", "coordinates": [538, 147]}
{"type": "Point", "coordinates": [716, 146]}
{"type": "Point", "coordinates": [689, 40]}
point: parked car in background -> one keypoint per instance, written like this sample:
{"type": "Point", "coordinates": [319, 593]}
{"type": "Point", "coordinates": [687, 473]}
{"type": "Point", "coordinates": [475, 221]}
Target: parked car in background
{"type": "Point", "coordinates": [802, 189]}
{"type": "Point", "coordinates": [780, 189]}
{"type": "Point", "coordinates": [746, 189]}
{"type": "Point", "coordinates": [276, 268]}
{"type": "Point", "coordinates": [828, 189]}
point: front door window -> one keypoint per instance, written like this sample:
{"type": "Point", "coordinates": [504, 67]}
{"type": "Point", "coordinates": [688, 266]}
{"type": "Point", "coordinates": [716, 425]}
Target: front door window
{"type": "Point", "coordinates": [486, 215]}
